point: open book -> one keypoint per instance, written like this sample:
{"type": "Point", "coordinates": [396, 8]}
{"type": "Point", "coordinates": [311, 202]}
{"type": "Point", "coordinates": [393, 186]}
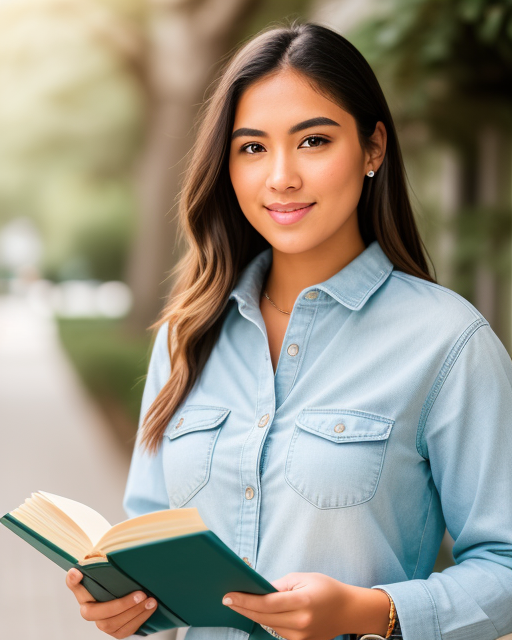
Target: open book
{"type": "Point", "coordinates": [169, 554]}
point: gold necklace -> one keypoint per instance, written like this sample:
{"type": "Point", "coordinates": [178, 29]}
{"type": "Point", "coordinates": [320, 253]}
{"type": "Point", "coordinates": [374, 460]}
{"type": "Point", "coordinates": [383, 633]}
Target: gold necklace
{"type": "Point", "coordinates": [275, 305]}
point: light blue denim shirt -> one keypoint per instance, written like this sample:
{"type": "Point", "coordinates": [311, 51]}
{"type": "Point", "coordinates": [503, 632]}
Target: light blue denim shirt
{"type": "Point", "coordinates": [388, 418]}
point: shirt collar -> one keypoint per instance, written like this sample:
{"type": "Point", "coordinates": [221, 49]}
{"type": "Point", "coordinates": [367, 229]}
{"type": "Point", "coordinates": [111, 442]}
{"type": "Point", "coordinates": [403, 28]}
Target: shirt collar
{"type": "Point", "coordinates": [352, 286]}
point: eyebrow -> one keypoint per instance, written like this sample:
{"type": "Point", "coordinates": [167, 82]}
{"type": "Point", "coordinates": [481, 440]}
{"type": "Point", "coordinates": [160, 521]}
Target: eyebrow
{"type": "Point", "coordinates": [306, 124]}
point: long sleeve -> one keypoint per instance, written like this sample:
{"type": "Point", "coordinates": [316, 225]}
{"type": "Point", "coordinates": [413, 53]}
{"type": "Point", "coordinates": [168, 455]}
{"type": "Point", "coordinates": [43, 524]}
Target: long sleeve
{"type": "Point", "coordinates": [465, 431]}
{"type": "Point", "coordinates": [145, 488]}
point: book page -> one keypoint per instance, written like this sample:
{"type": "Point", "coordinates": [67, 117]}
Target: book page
{"type": "Point", "coordinates": [156, 525]}
{"type": "Point", "coordinates": [93, 524]}
{"type": "Point", "coordinates": [87, 536]}
{"type": "Point", "coordinates": [45, 513]}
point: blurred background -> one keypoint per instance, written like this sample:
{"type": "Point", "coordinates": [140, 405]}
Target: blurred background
{"type": "Point", "coordinates": [97, 105]}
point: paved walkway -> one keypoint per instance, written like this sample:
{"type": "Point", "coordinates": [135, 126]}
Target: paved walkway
{"type": "Point", "coordinates": [54, 439]}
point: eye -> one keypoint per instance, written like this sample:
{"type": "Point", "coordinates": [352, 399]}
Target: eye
{"type": "Point", "coordinates": [317, 138]}
{"type": "Point", "coordinates": [251, 144]}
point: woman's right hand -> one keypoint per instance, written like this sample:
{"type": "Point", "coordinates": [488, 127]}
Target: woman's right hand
{"type": "Point", "coordinates": [119, 618]}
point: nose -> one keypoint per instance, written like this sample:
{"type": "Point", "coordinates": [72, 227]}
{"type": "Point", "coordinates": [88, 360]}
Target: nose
{"type": "Point", "coordinates": [282, 173]}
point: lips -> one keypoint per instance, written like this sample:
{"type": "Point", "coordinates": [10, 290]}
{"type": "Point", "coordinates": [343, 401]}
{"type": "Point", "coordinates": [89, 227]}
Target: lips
{"type": "Point", "coordinates": [288, 206]}
{"type": "Point", "coordinates": [284, 216]}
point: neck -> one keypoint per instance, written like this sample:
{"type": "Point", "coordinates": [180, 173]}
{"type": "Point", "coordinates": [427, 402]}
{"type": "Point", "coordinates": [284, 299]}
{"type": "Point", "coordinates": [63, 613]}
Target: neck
{"type": "Point", "coordinates": [290, 273]}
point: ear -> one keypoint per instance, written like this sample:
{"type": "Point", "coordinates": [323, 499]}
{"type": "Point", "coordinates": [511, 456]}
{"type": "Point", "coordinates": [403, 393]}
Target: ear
{"type": "Point", "coordinates": [375, 156]}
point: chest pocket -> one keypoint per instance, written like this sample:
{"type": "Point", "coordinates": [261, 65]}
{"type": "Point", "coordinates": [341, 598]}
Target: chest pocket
{"type": "Point", "coordinates": [335, 457]}
{"type": "Point", "coordinates": [188, 445]}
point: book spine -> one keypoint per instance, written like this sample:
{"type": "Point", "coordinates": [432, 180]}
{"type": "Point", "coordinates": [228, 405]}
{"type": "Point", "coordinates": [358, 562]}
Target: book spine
{"type": "Point", "coordinates": [103, 580]}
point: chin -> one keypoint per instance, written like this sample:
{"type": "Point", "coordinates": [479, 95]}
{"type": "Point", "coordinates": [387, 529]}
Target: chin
{"type": "Point", "coordinates": [292, 245]}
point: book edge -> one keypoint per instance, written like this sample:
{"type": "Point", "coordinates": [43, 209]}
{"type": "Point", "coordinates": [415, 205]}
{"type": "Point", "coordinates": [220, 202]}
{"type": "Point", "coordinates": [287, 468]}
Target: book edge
{"type": "Point", "coordinates": [14, 522]}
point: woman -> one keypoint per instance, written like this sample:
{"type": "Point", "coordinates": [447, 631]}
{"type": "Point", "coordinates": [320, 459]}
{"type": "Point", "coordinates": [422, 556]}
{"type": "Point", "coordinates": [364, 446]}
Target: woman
{"type": "Point", "coordinates": [327, 406]}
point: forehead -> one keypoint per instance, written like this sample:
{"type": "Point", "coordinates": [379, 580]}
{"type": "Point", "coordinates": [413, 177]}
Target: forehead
{"type": "Point", "coordinates": [283, 98]}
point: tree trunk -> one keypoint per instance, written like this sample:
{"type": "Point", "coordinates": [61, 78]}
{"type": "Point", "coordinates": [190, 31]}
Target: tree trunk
{"type": "Point", "coordinates": [187, 39]}
{"type": "Point", "coordinates": [492, 290]}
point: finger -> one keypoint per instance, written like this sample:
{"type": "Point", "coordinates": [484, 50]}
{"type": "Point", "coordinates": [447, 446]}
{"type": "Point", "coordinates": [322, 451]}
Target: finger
{"type": "Point", "coordinates": [130, 605]}
{"type": "Point", "coordinates": [288, 620]}
{"type": "Point", "coordinates": [289, 582]}
{"type": "Point", "coordinates": [277, 602]}
{"type": "Point", "coordinates": [130, 627]}
{"type": "Point", "coordinates": [73, 578]}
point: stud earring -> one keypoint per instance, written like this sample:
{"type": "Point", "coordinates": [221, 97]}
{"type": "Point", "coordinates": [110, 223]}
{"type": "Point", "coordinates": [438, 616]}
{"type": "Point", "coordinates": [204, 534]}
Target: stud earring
{"type": "Point", "coordinates": [370, 174]}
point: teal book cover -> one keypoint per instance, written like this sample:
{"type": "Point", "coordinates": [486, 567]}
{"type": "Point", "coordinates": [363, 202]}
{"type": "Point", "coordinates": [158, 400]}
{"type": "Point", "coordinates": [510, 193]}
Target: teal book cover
{"type": "Point", "coordinates": [188, 574]}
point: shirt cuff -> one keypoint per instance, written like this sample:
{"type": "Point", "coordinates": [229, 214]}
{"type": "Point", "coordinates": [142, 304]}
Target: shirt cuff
{"type": "Point", "coordinates": [415, 609]}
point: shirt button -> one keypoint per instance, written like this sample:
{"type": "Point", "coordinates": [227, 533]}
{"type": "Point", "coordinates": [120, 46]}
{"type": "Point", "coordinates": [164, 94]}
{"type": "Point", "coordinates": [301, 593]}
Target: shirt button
{"type": "Point", "coordinates": [339, 428]}
{"type": "Point", "coordinates": [179, 423]}
{"type": "Point", "coordinates": [263, 420]}
{"type": "Point", "coordinates": [249, 493]}
{"type": "Point", "coordinates": [293, 349]}
{"type": "Point", "coordinates": [246, 560]}
{"type": "Point", "coordinates": [311, 295]}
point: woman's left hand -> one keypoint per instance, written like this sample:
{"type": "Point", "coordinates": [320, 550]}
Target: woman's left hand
{"type": "Point", "coordinates": [307, 606]}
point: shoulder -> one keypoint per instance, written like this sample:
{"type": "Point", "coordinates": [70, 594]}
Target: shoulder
{"type": "Point", "coordinates": [439, 317]}
{"type": "Point", "coordinates": [161, 335]}
{"type": "Point", "coordinates": [445, 324]}
{"type": "Point", "coordinates": [430, 304]}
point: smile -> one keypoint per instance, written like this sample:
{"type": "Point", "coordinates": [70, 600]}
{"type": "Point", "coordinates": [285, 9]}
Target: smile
{"type": "Point", "coordinates": [287, 210]}
{"type": "Point", "coordinates": [289, 216]}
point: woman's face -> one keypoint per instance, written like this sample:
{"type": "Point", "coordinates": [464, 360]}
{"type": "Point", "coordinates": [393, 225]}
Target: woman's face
{"type": "Point", "coordinates": [279, 158]}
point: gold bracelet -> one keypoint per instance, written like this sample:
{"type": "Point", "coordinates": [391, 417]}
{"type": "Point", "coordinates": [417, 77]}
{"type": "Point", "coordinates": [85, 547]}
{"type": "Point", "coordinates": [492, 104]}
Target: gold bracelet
{"type": "Point", "coordinates": [392, 614]}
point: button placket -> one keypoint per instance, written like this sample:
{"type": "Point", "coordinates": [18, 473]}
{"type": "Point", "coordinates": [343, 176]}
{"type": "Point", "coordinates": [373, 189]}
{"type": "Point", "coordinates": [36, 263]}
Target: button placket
{"type": "Point", "coordinates": [294, 346]}
{"type": "Point", "coordinates": [250, 464]}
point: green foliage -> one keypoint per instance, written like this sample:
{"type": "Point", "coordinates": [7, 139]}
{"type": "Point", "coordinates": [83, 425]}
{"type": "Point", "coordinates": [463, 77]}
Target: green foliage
{"type": "Point", "coordinates": [434, 52]}
{"type": "Point", "coordinates": [87, 223]}
{"type": "Point", "coordinates": [110, 361]}
{"type": "Point", "coordinates": [72, 119]}
{"type": "Point", "coordinates": [483, 238]}
{"type": "Point", "coordinates": [448, 65]}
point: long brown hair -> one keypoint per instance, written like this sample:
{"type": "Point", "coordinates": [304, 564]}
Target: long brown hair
{"type": "Point", "coordinates": [221, 242]}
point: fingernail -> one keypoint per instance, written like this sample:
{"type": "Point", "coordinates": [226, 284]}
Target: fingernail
{"type": "Point", "coordinates": [227, 601]}
{"type": "Point", "coordinates": [150, 604]}
{"type": "Point", "coordinates": [139, 597]}
{"type": "Point", "coordinates": [73, 575]}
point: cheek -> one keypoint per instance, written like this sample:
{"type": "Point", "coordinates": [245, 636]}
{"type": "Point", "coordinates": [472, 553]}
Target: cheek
{"type": "Point", "coordinates": [334, 176]}
{"type": "Point", "coordinates": [245, 181]}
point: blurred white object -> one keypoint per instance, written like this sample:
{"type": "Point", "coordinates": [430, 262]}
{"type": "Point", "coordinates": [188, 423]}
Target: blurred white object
{"type": "Point", "coordinates": [38, 297]}
{"type": "Point", "coordinates": [80, 298]}
{"type": "Point", "coordinates": [20, 245]}
{"type": "Point", "coordinates": [114, 299]}
{"type": "Point", "coordinates": [75, 298]}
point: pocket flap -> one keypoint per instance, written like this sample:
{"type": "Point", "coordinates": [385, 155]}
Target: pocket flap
{"type": "Point", "coordinates": [340, 425]}
{"type": "Point", "coordinates": [195, 417]}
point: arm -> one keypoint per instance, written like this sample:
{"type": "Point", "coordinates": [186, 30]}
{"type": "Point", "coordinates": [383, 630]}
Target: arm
{"type": "Point", "coordinates": [466, 434]}
{"type": "Point", "coordinates": [145, 488]}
